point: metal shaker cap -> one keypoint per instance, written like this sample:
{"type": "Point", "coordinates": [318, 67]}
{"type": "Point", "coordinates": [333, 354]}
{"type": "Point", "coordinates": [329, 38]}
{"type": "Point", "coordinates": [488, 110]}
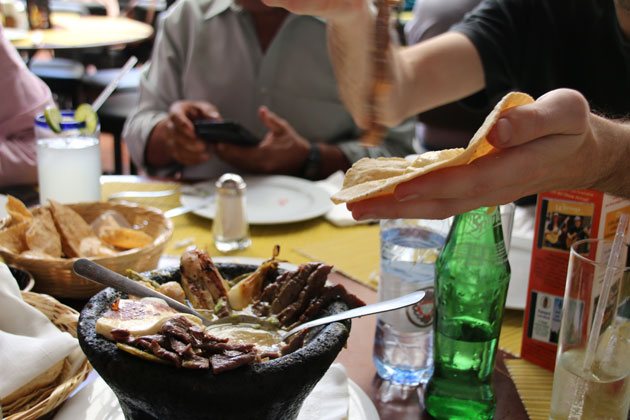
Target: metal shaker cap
{"type": "Point", "coordinates": [230, 182]}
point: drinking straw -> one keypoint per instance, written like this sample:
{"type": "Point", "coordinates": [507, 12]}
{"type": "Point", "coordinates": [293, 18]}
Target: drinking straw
{"type": "Point", "coordinates": [613, 264]}
{"type": "Point", "coordinates": [100, 100]}
{"type": "Point", "coordinates": [576, 411]}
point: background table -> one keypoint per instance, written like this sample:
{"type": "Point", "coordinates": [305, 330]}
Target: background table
{"type": "Point", "coordinates": [72, 31]}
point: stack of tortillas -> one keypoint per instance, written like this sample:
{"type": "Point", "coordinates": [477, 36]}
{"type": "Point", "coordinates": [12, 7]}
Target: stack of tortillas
{"type": "Point", "coordinates": [374, 177]}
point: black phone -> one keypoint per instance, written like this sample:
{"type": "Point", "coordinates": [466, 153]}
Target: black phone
{"type": "Point", "coordinates": [225, 132]}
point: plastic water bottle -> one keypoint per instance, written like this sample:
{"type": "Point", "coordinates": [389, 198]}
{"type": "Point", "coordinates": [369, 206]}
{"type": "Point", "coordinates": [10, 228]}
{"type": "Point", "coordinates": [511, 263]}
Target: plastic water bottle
{"type": "Point", "coordinates": [403, 344]}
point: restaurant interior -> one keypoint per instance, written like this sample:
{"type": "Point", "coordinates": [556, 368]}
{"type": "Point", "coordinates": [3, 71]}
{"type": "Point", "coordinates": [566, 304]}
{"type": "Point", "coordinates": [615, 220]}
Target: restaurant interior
{"type": "Point", "coordinates": [132, 289]}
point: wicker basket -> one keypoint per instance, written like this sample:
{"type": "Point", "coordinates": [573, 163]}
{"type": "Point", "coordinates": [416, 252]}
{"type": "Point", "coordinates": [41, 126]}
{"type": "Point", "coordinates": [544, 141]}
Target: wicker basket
{"type": "Point", "coordinates": [55, 276]}
{"type": "Point", "coordinates": [43, 401]}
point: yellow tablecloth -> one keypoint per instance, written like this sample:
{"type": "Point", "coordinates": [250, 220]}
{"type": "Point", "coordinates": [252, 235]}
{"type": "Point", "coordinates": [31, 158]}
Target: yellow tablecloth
{"type": "Point", "coordinates": [353, 251]}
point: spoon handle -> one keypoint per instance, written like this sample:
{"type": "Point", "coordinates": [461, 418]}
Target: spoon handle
{"type": "Point", "coordinates": [374, 308]}
{"type": "Point", "coordinates": [92, 271]}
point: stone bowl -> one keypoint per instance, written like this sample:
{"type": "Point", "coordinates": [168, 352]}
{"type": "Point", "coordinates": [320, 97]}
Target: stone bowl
{"type": "Point", "coordinates": [274, 389]}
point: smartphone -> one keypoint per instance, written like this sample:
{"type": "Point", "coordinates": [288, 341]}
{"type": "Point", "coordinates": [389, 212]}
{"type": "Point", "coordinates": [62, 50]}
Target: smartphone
{"type": "Point", "coordinates": [225, 132]}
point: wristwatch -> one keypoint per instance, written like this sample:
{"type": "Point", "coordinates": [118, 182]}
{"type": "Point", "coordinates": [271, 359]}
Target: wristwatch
{"type": "Point", "coordinates": [310, 170]}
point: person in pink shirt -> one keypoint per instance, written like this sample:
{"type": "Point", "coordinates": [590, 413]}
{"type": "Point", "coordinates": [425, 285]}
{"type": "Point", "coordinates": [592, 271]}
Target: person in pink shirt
{"type": "Point", "coordinates": [23, 96]}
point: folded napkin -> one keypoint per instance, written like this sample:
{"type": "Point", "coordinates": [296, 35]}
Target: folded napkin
{"type": "Point", "coordinates": [30, 345]}
{"type": "Point", "coordinates": [339, 214]}
{"type": "Point", "coordinates": [329, 400]}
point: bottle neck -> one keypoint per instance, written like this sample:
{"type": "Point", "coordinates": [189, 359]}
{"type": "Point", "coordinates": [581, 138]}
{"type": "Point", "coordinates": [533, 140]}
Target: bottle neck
{"type": "Point", "coordinates": [477, 233]}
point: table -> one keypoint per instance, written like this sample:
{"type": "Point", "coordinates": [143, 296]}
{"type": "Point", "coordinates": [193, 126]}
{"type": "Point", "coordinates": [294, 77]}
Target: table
{"type": "Point", "coordinates": [72, 31]}
{"type": "Point", "coordinates": [391, 402]}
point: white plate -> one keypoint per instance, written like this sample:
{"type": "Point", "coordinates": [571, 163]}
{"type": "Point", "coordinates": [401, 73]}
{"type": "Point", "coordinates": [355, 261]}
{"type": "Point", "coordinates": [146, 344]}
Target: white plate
{"type": "Point", "coordinates": [3, 206]}
{"type": "Point", "coordinates": [520, 256]}
{"type": "Point", "coordinates": [270, 199]}
{"type": "Point", "coordinates": [96, 401]}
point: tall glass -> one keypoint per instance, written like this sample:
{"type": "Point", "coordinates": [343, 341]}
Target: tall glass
{"type": "Point", "coordinates": [601, 391]}
{"type": "Point", "coordinates": [69, 162]}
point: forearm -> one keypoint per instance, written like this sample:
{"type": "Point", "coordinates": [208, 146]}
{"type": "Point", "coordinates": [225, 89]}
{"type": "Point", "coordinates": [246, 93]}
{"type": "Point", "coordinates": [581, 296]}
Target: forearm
{"type": "Point", "coordinates": [613, 157]}
{"type": "Point", "coordinates": [349, 46]}
{"type": "Point", "coordinates": [433, 73]}
{"type": "Point", "coordinates": [18, 159]}
{"type": "Point", "coordinates": [436, 72]}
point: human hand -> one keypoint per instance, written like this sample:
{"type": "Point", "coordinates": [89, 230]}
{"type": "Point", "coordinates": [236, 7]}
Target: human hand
{"type": "Point", "coordinates": [546, 145]}
{"type": "Point", "coordinates": [336, 11]}
{"type": "Point", "coordinates": [185, 147]}
{"type": "Point", "coordinates": [282, 150]}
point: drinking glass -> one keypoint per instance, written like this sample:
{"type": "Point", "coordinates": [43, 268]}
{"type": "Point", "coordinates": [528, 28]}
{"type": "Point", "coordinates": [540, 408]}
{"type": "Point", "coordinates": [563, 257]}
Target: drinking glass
{"type": "Point", "coordinates": [601, 390]}
{"type": "Point", "coordinates": [69, 162]}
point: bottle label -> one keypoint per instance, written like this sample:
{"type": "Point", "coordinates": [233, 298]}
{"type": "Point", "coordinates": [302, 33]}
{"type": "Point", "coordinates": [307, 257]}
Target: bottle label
{"type": "Point", "coordinates": [421, 314]}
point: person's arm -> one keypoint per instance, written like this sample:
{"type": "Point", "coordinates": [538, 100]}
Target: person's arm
{"type": "Point", "coordinates": [424, 76]}
{"type": "Point", "coordinates": [24, 95]}
{"type": "Point", "coordinates": [554, 143]}
{"type": "Point", "coordinates": [159, 88]}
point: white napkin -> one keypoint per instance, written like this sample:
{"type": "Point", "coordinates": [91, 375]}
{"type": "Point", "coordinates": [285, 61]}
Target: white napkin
{"type": "Point", "coordinates": [29, 343]}
{"type": "Point", "coordinates": [329, 400]}
{"type": "Point", "coordinates": [339, 214]}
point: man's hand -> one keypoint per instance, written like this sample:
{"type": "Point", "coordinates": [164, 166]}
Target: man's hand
{"type": "Point", "coordinates": [336, 11]}
{"type": "Point", "coordinates": [554, 143]}
{"type": "Point", "coordinates": [181, 141]}
{"type": "Point", "coordinates": [281, 151]}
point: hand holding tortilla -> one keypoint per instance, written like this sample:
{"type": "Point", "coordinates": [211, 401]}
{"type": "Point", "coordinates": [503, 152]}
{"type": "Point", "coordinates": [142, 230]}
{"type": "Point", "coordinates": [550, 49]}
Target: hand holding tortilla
{"type": "Point", "coordinates": [375, 177]}
{"type": "Point", "coordinates": [554, 143]}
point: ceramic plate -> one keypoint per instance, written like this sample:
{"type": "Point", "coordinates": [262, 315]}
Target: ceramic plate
{"type": "Point", "coordinates": [3, 206]}
{"type": "Point", "coordinates": [270, 199]}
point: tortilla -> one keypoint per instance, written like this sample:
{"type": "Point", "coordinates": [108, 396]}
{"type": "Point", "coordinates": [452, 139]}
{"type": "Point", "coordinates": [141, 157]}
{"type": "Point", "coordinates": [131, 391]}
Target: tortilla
{"type": "Point", "coordinates": [45, 379]}
{"type": "Point", "coordinates": [72, 228]}
{"type": "Point", "coordinates": [13, 238]}
{"type": "Point", "coordinates": [125, 238]}
{"type": "Point", "coordinates": [375, 177]}
{"type": "Point", "coordinates": [42, 235]}
{"type": "Point", "coordinates": [18, 211]}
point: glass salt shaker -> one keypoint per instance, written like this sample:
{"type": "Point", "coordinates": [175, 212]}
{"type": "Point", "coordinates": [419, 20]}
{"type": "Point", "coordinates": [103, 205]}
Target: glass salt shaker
{"type": "Point", "coordinates": [230, 229]}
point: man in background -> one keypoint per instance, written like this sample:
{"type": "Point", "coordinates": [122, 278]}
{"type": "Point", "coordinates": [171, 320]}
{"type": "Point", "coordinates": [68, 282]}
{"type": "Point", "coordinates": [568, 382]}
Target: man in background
{"type": "Point", "coordinates": [261, 67]}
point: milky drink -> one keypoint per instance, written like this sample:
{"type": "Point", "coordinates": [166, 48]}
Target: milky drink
{"type": "Point", "coordinates": [69, 169]}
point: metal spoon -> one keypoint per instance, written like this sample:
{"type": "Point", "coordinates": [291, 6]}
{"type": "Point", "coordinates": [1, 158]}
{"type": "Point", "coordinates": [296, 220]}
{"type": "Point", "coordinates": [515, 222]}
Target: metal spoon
{"type": "Point", "coordinates": [374, 308]}
{"type": "Point", "coordinates": [95, 272]}
{"type": "Point", "coordinates": [92, 271]}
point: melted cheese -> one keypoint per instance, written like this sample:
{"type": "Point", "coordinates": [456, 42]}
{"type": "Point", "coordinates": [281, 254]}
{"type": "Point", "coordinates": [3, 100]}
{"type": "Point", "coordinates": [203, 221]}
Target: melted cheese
{"type": "Point", "coordinates": [140, 317]}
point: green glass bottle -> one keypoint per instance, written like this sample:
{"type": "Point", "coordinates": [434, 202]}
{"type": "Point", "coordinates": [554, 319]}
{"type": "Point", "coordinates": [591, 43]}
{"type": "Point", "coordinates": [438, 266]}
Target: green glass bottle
{"type": "Point", "coordinates": [471, 283]}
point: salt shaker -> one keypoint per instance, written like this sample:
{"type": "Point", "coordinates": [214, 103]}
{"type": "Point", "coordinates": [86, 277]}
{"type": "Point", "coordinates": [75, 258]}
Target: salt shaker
{"type": "Point", "coordinates": [230, 229]}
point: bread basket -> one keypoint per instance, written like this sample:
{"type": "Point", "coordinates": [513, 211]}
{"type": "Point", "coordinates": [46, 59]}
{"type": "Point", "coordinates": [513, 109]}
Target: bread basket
{"type": "Point", "coordinates": [54, 276]}
{"type": "Point", "coordinates": [42, 401]}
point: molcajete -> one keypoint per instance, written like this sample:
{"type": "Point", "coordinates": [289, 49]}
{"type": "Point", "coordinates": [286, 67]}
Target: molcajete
{"type": "Point", "coordinates": [274, 389]}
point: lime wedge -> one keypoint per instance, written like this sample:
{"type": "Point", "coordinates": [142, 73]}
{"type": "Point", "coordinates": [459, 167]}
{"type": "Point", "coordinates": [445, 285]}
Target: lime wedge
{"type": "Point", "coordinates": [53, 118]}
{"type": "Point", "coordinates": [85, 113]}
